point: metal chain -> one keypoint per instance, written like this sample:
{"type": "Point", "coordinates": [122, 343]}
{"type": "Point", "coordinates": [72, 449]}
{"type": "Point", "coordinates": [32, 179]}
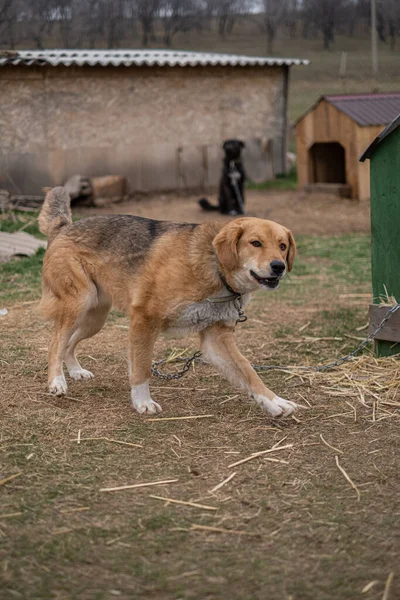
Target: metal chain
{"type": "Point", "coordinates": [188, 363]}
{"type": "Point", "coordinates": [336, 363]}
{"type": "Point", "coordinates": [234, 175]}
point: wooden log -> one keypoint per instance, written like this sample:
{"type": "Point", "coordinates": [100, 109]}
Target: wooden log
{"type": "Point", "coordinates": [23, 202]}
{"type": "Point", "coordinates": [109, 186]}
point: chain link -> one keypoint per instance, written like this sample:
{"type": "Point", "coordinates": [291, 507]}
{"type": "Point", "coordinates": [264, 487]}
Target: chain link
{"type": "Point", "coordinates": [336, 363]}
{"type": "Point", "coordinates": [234, 175]}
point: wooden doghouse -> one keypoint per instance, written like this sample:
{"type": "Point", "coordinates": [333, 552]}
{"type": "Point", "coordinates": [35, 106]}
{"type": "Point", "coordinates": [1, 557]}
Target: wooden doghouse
{"type": "Point", "coordinates": [384, 156]}
{"type": "Point", "coordinates": [333, 133]}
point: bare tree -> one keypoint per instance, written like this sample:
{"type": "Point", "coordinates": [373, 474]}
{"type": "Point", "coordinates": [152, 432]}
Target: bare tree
{"type": "Point", "coordinates": [291, 16]}
{"type": "Point", "coordinates": [40, 18]}
{"type": "Point", "coordinates": [274, 12]}
{"type": "Point", "coordinates": [178, 15]}
{"type": "Point", "coordinates": [326, 16]}
{"type": "Point", "coordinates": [8, 20]}
{"type": "Point", "coordinates": [225, 12]}
{"type": "Point", "coordinates": [388, 20]}
{"type": "Point", "coordinates": [147, 12]}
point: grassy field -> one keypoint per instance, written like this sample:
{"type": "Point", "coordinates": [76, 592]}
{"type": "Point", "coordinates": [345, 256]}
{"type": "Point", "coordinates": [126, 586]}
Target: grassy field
{"type": "Point", "coordinates": [287, 526]}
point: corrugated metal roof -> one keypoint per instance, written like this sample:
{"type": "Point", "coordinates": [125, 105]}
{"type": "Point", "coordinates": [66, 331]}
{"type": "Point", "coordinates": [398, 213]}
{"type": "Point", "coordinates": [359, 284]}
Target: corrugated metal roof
{"type": "Point", "coordinates": [127, 58]}
{"type": "Point", "coordinates": [368, 109]}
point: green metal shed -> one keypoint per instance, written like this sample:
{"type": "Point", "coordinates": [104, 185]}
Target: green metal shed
{"type": "Point", "coordinates": [384, 156]}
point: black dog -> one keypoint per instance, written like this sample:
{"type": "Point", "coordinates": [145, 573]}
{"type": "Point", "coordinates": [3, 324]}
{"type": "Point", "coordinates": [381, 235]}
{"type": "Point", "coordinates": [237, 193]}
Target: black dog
{"type": "Point", "coordinates": [231, 195]}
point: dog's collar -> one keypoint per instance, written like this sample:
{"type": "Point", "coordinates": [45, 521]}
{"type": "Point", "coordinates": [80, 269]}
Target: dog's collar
{"type": "Point", "coordinates": [228, 287]}
{"type": "Point", "coordinates": [236, 297]}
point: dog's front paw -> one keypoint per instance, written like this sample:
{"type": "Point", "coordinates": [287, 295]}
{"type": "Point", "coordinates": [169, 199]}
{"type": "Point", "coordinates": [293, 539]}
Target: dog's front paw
{"type": "Point", "coordinates": [277, 407]}
{"type": "Point", "coordinates": [142, 401]}
{"type": "Point", "coordinates": [58, 386]}
{"type": "Point", "coordinates": [79, 374]}
{"type": "Point", "coordinates": [147, 406]}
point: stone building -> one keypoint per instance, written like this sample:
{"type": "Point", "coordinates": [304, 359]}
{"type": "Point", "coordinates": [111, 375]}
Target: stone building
{"type": "Point", "coordinates": [158, 117]}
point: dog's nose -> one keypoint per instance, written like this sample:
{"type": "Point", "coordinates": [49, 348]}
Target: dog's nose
{"type": "Point", "coordinates": [277, 267]}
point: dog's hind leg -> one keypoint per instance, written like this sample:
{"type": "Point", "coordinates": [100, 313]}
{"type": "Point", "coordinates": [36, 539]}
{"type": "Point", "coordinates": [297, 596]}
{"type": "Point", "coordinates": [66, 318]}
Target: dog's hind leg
{"type": "Point", "coordinates": [90, 323]}
{"type": "Point", "coordinates": [77, 314]}
{"type": "Point", "coordinates": [142, 336]}
{"type": "Point", "coordinates": [64, 327]}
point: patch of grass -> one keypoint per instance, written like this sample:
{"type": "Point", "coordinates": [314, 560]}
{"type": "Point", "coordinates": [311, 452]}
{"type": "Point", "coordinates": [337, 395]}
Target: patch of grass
{"type": "Point", "coordinates": [282, 182]}
{"type": "Point", "coordinates": [283, 331]}
{"type": "Point", "coordinates": [338, 321]}
{"type": "Point", "coordinates": [20, 278]}
{"type": "Point", "coordinates": [338, 261]}
{"type": "Point", "coordinates": [12, 221]}
{"type": "Point", "coordinates": [349, 256]}
{"type": "Point", "coordinates": [115, 315]}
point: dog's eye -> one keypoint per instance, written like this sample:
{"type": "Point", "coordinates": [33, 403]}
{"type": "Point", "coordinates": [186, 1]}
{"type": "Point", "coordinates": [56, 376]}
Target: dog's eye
{"type": "Point", "coordinates": [256, 243]}
{"type": "Point", "coordinates": [283, 247]}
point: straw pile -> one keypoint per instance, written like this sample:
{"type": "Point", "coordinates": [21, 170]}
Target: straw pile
{"type": "Point", "coordinates": [372, 382]}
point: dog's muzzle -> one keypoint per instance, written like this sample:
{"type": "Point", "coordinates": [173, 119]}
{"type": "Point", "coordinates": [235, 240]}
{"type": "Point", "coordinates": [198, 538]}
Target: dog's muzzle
{"type": "Point", "coordinates": [271, 282]}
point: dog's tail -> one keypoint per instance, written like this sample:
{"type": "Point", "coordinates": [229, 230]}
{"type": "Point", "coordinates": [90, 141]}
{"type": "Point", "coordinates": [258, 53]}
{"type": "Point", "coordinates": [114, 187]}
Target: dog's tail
{"type": "Point", "coordinates": [56, 212]}
{"type": "Point", "coordinates": [206, 204]}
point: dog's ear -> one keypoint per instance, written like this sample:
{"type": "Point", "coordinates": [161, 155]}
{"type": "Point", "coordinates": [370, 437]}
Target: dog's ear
{"type": "Point", "coordinates": [292, 251]}
{"type": "Point", "coordinates": [224, 145]}
{"type": "Point", "coordinates": [242, 144]}
{"type": "Point", "coordinates": [225, 244]}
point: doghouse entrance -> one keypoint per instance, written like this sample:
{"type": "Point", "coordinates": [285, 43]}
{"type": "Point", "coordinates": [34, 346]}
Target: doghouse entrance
{"type": "Point", "coordinates": [327, 163]}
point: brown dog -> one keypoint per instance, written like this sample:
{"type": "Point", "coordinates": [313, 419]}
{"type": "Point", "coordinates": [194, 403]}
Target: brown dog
{"type": "Point", "coordinates": [165, 276]}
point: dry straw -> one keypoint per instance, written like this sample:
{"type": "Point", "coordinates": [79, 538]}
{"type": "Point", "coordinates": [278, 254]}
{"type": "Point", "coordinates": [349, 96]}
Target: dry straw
{"type": "Point", "coordinates": [220, 485]}
{"type": "Point", "coordinates": [351, 482]}
{"type": "Point", "coordinates": [184, 503]}
{"type": "Point", "coordinates": [388, 585]}
{"type": "Point", "coordinates": [7, 479]}
{"type": "Point", "coordinates": [197, 527]}
{"type": "Point", "coordinates": [80, 439]}
{"type": "Point", "coordinates": [374, 383]}
{"type": "Point", "coordinates": [138, 485]}
{"type": "Point", "coordinates": [257, 454]}
{"type": "Point", "coordinates": [158, 419]}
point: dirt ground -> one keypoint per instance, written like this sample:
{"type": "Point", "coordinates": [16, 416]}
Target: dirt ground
{"type": "Point", "coordinates": [303, 214]}
{"type": "Point", "coordinates": [313, 518]}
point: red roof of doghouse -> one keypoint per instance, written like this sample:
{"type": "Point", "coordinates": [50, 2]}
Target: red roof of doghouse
{"type": "Point", "coordinates": [364, 109]}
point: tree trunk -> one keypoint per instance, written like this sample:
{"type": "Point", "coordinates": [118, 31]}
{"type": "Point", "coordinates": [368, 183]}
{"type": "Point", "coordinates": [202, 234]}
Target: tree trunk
{"type": "Point", "coordinates": [392, 34]}
{"type": "Point", "coordinates": [270, 32]}
{"type": "Point", "coordinates": [327, 39]}
{"type": "Point", "coordinates": [145, 32]}
{"type": "Point", "coordinates": [222, 26]}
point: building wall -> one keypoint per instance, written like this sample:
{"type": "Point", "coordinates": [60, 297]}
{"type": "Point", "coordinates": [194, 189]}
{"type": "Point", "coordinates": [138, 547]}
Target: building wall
{"type": "Point", "coordinates": [161, 127]}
